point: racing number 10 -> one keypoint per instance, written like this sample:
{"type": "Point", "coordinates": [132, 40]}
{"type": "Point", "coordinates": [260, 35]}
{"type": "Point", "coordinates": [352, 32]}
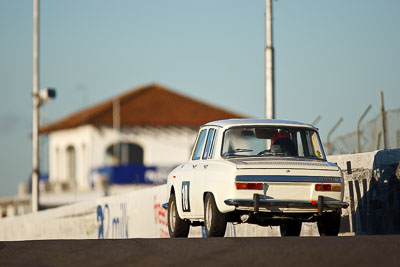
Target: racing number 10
{"type": "Point", "coordinates": [185, 196]}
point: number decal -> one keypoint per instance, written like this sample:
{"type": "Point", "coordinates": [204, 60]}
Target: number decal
{"type": "Point", "coordinates": [185, 196]}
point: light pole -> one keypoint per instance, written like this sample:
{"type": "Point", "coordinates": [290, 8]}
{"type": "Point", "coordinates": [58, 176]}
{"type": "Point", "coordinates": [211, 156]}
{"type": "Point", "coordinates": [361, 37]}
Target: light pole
{"type": "Point", "coordinates": [269, 64]}
{"type": "Point", "coordinates": [38, 98]}
{"type": "Point", "coordinates": [35, 118]}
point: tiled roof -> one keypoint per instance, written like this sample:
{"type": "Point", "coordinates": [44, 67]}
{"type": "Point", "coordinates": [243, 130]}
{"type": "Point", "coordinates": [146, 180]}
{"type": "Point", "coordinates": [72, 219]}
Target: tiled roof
{"type": "Point", "coordinates": [151, 105]}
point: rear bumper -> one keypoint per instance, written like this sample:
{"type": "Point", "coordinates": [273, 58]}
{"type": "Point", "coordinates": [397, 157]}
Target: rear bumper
{"type": "Point", "coordinates": [259, 201]}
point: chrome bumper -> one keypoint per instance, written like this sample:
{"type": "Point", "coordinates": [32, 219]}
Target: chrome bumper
{"type": "Point", "coordinates": [259, 201]}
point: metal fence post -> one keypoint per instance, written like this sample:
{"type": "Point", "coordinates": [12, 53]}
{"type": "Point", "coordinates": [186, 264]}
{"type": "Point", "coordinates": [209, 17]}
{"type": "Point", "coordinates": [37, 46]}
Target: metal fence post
{"type": "Point", "coordinates": [328, 138]}
{"type": "Point", "coordinates": [358, 127]}
{"type": "Point", "coordinates": [384, 126]}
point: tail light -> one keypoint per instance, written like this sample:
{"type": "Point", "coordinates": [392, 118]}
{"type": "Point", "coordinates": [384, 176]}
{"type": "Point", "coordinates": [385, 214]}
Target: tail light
{"type": "Point", "coordinates": [328, 187]}
{"type": "Point", "coordinates": [250, 186]}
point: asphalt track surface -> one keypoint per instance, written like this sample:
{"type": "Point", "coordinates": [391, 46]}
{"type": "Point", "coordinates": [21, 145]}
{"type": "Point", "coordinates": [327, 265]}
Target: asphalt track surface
{"type": "Point", "coordinates": [290, 251]}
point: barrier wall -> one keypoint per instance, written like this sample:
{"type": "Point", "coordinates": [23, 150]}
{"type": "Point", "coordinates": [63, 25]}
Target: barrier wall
{"type": "Point", "coordinates": [136, 214]}
{"type": "Point", "coordinates": [373, 191]}
{"type": "Point", "coordinates": [372, 188]}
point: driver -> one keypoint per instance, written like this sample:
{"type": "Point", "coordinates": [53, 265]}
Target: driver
{"type": "Point", "coordinates": [282, 143]}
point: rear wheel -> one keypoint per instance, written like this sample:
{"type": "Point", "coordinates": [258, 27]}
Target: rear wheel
{"type": "Point", "coordinates": [214, 220]}
{"type": "Point", "coordinates": [290, 228]}
{"type": "Point", "coordinates": [176, 226]}
{"type": "Point", "coordinates": [329, 224]}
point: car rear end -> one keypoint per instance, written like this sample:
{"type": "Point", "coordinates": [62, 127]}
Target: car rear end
{"type": "Point", "coordinates": [287, 186]}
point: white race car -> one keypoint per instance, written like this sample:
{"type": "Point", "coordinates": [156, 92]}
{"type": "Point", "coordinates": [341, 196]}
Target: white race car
{"type": "Point", "coordinates": [265, 172]}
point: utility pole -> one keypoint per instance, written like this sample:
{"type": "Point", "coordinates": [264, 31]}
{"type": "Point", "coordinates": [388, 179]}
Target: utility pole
{"type": "Point", "coordinates": [35, 118]}
{"type": "Point", "coordinates": [269, 64]}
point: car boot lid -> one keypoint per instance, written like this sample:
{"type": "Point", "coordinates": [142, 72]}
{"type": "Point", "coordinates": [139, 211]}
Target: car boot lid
{"type": "Point", "coordinates": [285, 163]}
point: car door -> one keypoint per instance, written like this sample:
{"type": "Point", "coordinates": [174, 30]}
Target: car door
{"type": "Point", "coordinates": [189, 186]}
{"type": "Point", "coordinates": [200, 174]}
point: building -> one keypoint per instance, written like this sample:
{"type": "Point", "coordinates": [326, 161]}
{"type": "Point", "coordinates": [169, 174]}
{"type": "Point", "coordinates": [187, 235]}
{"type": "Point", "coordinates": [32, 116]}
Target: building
{"type": "Point", "coordinates": [134, 138]}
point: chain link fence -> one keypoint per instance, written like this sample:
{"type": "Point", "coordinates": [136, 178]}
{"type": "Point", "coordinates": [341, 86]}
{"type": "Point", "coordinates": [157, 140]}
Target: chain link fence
{"type": "Point", "coordinates": [371, 136]}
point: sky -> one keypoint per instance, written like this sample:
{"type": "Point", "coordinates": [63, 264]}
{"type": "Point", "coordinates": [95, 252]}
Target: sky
{"type": "Point", "coordinates": [332, 58]}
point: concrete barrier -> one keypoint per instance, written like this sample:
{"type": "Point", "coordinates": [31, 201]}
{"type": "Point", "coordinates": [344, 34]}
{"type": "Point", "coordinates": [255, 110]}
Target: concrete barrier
{"type": "Point", "coordinates": [136, 214]}
{"type": "Point", "coordinates": [372, 188]}
{"type": "Point", "coordinates": [373, 191]}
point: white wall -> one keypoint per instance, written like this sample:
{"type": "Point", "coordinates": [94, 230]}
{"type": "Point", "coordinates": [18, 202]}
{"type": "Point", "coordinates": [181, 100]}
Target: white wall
{"type": "Point", "coordinates": [80, 139]}
{"type": "Point", "coordinates": [358, 161]}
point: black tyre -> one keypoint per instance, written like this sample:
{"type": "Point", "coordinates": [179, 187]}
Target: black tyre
{"type": "Point", "coordinates": [214, 220]}
{"type": "Point", "coordinates": [290, 228]}
{"type": "Point", "coordinates": [176, 226]}
{"type": "Point", "coordinates": [329, 224]}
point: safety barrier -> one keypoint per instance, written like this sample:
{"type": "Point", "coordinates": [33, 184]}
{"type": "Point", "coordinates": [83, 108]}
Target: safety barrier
{"type": "Point", "coordinates": [372, 188]}
{"type": "Point", "coordinates": [374, 209]}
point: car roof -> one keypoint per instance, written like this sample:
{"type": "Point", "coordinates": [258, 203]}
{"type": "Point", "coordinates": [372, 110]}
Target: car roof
{"type": "Point", "coordinates": [257, 122]}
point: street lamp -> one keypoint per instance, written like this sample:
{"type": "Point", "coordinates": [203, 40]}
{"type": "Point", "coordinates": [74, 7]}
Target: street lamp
{"type": "Point", "coordinates": [39, 97]}
{"type": "Point", "coordinates": [43, 96]}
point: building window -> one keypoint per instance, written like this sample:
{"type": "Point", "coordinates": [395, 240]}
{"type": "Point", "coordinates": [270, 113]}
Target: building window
{"type": "Point", "coordinates": [71, 163]}
{"type": "Point", "coordinates": [124, 153]}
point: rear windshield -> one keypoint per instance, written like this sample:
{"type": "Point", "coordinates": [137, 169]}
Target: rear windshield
{"type": "Point", "coordinates": [272, 141]}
